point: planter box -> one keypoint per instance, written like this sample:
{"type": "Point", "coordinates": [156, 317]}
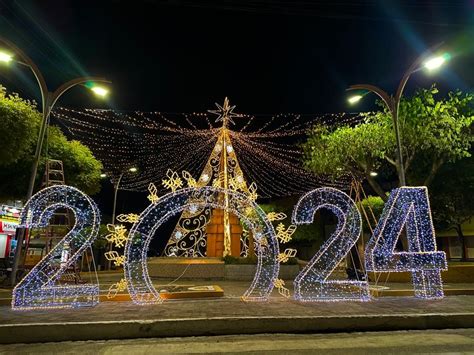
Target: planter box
{"type": "Point", "coordinates": [245, 272]}
{"type": "Point", "coordinates": [209, 269]}
{"type": "Point", "coordinates": [186, 268]}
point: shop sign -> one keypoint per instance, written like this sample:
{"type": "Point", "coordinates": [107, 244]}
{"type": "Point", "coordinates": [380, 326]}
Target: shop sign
{"type": "Point", "coordinates": [8, 226]}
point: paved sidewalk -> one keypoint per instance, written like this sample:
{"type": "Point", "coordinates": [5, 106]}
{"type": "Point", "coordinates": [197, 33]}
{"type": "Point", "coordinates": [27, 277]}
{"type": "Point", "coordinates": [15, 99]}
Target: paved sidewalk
{"type": "Point", "coordinates": [229, 315]}
{"type": "Point", "coordinates": [237, 288]}
{"type": "Point", "coordinates": [453, 341]}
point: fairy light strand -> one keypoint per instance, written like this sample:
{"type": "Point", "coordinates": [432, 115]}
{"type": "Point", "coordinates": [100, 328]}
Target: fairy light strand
{"type": "Point", "coordinates": [40, 287]}
{"type": "Point", "coordinates": [313, 283]}
{"type": "Point", "coordinates": [408, 207]}
{"type": "Point", "coordinates": [156, 141]}
{"type": "Point", "coordinates": [138, 281]}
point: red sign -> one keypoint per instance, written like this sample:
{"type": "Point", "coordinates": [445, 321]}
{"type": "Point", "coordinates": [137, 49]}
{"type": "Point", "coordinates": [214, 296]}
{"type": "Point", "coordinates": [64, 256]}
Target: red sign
{"type": "Point", "coordinates": [8, 227]}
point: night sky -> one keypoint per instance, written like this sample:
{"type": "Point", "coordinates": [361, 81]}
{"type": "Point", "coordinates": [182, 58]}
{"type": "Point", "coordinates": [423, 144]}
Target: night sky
{"type": "Point", "coordinates": [266, 56]}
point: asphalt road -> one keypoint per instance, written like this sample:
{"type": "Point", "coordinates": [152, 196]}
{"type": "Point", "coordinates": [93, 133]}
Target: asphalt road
{"type": "Point", "coordinates": [400, 342]}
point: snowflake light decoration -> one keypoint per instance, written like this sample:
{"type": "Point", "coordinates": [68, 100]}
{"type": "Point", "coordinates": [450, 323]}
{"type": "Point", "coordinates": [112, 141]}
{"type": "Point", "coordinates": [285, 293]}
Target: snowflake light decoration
{"type": "Point", "coordinates": [153, 196]}
{"type": "Point", "coordinates": [118, 235]}
{"type": "Point", "coordinates": [284, 234]}
{"type": "Point", "coordinates": [173, 182]}
{"type": "Point", "coordinates": [117, 287]}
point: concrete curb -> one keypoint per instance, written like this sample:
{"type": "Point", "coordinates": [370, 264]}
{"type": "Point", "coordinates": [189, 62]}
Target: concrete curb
{"type": "Point", "coordinates": [106, 330]}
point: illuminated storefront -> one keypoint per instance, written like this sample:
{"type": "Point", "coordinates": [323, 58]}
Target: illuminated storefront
{"type": "Point", "coordinates": [8, 224]}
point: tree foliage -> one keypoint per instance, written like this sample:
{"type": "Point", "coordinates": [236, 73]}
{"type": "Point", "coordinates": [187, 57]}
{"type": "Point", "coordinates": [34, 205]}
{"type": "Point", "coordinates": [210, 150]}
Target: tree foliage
{"type": "Point", "coordinates": [434, 132]}
{"type": "Point", "coordinates": [451, 197]}
{"type": "Point", "coordinates": [19, 129]}
{"type": "Point", "coordinates": [372, 206]}
{"type": "Point", "coordinates": [304, 232]}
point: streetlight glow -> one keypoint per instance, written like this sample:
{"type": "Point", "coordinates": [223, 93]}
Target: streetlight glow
{"type": "Point", "coordinates": [103, 175]}
{"type": "Point", "coordinates": [100, 91]}
{"type": "Point", "coordinates": [436, 62]}
{"type": "Point", "coordinates": [133, 170]}
{"type": "Point", "coordinates": [354, 99]}
{"type": "Point", "coordinates": [5, 57]}
{"type": "Point", "coordinates": [373, 173]}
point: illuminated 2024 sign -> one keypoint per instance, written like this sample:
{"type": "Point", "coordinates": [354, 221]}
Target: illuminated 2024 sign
{"type": "Point", "coordinates": [407, 207]}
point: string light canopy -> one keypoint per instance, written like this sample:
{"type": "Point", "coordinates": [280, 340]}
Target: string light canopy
{"type": "Point", "coordinates": [267, 145]}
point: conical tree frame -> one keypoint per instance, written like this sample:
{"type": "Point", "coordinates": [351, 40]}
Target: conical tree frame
{"type": "Point", "coordinates": [189, 238]}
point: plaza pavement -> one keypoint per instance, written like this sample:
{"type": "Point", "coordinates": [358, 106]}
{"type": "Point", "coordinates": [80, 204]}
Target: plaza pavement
{"type": "Point", "coordinates": [447, 341]}
{"type": "Point", "coordinates": [229, 315]}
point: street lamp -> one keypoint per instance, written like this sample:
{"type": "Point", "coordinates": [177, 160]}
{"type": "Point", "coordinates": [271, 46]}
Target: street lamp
{"type": "Point", "coordinates": [48, 100]}
{"type": "Point", "coordinates": [114, 207]}
{"type": "Point", "coordinates": [5, 57]}
{"type": "Point", "coordinates": [393, 102]}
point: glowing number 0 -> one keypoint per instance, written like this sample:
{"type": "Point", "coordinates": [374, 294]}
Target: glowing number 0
{"type": "Point", "coordinates": [38, 288]}
{"type": "Point", "coordinates": [312, 282]}
{"type": "Point", "coordinates": [409, 207]}
{"type": "Point", "coordinates": [139, 284]}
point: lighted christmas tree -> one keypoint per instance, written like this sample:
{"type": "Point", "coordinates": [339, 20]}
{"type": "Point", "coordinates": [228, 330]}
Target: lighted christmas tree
{"type": "Point", "coordinates": [199, 230]}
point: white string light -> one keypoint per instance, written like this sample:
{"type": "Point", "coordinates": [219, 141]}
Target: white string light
{"type": "Point", "coordinates": [39, 288]}
{"type": "Point", "coordinates": [155, 142]}
{"type": "Point", "coordinates": [408, 207]}
{"type": "Point", "coordinates": [312, 283]}
{"type": "Point", "coordinates": [138, 281]}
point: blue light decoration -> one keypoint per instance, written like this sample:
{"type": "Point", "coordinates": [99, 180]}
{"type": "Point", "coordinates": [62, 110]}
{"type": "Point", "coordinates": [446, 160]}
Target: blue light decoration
{"type": "Point", "coordinates": [139, 284]}
{"type": "Point", "coordinates": [409, 207]}
{"type": "Point", "coordinates": [313, 283]}
{"type": "Point", "coordinates": [40, 288]}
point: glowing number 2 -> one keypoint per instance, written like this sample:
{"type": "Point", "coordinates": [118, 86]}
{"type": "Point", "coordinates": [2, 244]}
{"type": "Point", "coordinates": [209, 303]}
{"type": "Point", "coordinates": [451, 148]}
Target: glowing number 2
{"type": "Point", "coordinates": [312, 282]}
{"type": "Point", "coordinates": [409, 207]}
{"type": "Point", "coordinates": [38, 288]}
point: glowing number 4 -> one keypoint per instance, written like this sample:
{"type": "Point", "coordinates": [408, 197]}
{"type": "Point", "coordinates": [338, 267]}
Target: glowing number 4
{"type": "Point", "coordinates": [312, 283]}
{"type": "Point", "coordinates": [409, 207]}
{"type": "Point", "coordinates": [39, 289]}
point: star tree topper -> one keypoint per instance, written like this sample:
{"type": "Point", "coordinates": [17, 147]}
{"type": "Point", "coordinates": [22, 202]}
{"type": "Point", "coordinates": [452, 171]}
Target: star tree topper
{"type": "Point", "coordinates": [225, 113]}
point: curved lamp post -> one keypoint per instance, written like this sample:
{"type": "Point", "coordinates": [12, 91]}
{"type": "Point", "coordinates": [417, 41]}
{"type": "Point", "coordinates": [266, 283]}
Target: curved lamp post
{"type": "Point", "coordinates": [48, 100]}
{"type": "Point", "coordinates": [393, 102]}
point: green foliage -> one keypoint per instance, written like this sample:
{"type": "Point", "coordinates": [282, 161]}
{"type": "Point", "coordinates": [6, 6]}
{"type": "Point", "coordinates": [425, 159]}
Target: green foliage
{"type": "Point", "coordinates": [372, 205]}
{"type": "Point", "coordinates": [304, 232]}
{"type": "Point", "coordinates": [19, 128]}
{"type": "Point", "coordinates": [356, 149]}
{"type": "Point", "coordinates": [452, 194]}
{"type": "Point", "coordinates": [451, 198]}
{"type": "Point", "coordinates": [81, 168]}
{"type": "Point", "coordinates": [101, 242]}
{"type": "Point", "coordinates": [20, 124]}
{"type": "Point", "coordinates": [434, 131]}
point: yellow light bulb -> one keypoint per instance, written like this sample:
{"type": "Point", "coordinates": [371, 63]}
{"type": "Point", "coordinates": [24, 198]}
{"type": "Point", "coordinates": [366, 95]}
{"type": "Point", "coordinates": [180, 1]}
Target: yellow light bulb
{"type": "Point", "coordinates": [5, 57]}
{"type": "Point", "coordinates": [100, 91]}
{"type": "Point", "coordinates": [354, 99]}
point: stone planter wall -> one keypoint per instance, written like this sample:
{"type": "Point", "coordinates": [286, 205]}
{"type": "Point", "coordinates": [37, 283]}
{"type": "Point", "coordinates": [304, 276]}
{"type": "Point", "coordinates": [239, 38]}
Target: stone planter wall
{"type": "Point", "coordinates": [242, 272]}
{"type": "Point", "coordinates": [210, 269]}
